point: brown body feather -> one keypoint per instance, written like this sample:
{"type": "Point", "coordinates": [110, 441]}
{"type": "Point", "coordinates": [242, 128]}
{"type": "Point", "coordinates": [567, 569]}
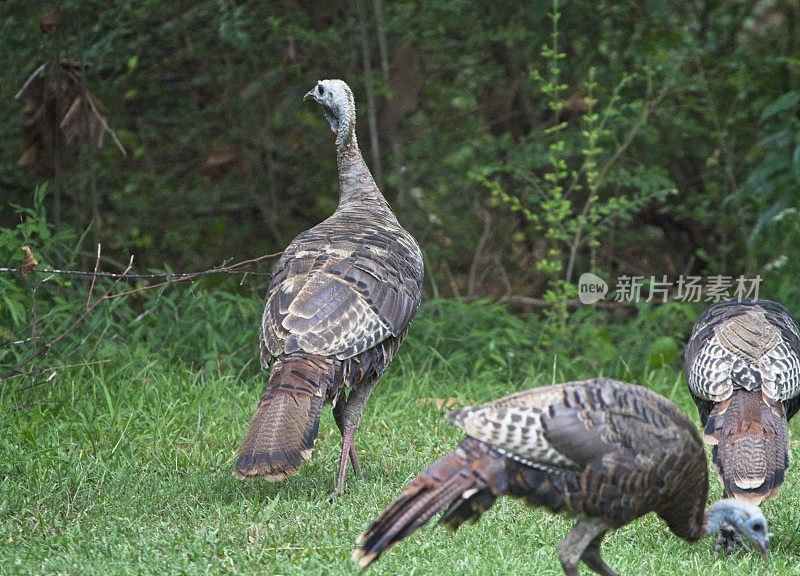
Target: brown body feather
{"type": "Point", "coordinates": [282, 431]}
{"type": "Point", "coordinates": [340, 302]}
{"type": "Point", "coordinates": [743, 369]}
{"type": "Point", "coordinates": [605, 451]}
{"type": "Point", "coordinates": [751, 445]}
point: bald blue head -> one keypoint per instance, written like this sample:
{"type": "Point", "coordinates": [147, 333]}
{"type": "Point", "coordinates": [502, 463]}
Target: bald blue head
{"type": "Point", "coordinates": [740, 515]}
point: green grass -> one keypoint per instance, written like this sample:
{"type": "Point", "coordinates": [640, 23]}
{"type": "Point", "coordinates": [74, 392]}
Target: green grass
{"type": "Point", "coordinates": [124, 466]}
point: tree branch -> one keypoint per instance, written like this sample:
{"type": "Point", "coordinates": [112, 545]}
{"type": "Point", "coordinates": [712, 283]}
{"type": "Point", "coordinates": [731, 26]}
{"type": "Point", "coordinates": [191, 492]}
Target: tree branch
{"type": "Point", "coordinates": [371, 113]}
{"type": "Point", "coordinates": [224, 269]}
{"type": "Point", "coordinates": [109, 295]}
{"type": "Point", "coordinates": [44, 349]}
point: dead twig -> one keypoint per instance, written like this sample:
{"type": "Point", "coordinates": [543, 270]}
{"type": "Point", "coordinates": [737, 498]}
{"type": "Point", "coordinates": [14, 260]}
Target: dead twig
{"type": "Point", "coordinates": [109, 295]}
{"type": "Point", "coordinates": [44, 349]}
{"type": "Point", "coordinates": [54, 369]}
{"type": "Point", "coordinates": [571, 303]}
{"type": "Point", "coordinates": [100, 118]}
{"type": "Point", "coordinates": [224, 269]}
{"type": "Point", "coordinates": [94, 277]}
{"type": "Point", "coordinates": [305, 548]}
{"type": "Point", "coordinates": [503, 275]}
{"type": "Point", "coordinates": [476, 258]}
{"type": "Point", "coordinates": [183, 277]}
{"type": "Point", "coordinates": [452, 280]}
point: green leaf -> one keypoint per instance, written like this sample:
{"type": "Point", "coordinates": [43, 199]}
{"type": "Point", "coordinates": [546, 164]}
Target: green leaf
{"type": "Point", "coordinates": [783, 104]}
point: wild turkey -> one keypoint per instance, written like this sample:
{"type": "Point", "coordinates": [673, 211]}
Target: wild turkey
{"type": "Point", "coordinates": [340, 302]}
{"type": "Point", "coordinates": [743, 369]}
{"type": "Point", "coordinates": [605, 451]}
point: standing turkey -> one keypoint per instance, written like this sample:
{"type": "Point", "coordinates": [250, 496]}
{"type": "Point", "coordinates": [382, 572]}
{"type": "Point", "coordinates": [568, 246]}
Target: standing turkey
{"type": "Point", "coordinates": [743, 369]}
{"type": "Point", "coordinates": [602, 450]}
{"type": "Point", "coordinates": [340, 302]}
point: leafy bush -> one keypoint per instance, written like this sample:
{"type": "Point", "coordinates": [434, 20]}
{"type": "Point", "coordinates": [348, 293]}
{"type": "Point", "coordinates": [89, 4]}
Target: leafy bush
{"type": "Point", "coordinates": [770, 194]}
{"type": "Point", "coordinates": [458, 339]}
{"type": "Point", "coordinates": [41, 304]}
{"type": "Point", "coordinates": [566, 181]}
{"type": "Point", "coordinates": [179, 322]}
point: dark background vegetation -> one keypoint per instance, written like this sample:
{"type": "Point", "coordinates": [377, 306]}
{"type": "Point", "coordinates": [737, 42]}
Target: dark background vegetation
{"type": "Point", "coordinates": [699, 103]}
{"type": "Point", "coordinates": [522, 144]}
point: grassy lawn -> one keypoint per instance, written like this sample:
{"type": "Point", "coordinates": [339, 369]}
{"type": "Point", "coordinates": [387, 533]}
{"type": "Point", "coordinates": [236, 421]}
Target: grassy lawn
{"type": "Point", "coordinates": [123, 466]}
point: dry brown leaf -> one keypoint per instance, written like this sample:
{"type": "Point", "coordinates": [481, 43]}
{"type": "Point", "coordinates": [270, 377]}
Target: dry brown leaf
{"type": "Point", "coordinates": [221, 159]}
{"type": "Point", "coordinates": [69, 125]}
{"type": "Point", "coordinates": [80, 116]}
{"type": "Point", "coordinates": [31, 92]}
{"type": "Point", "coordinates": [576, 103]}
{"type": "Point", "coordinates": [292, 55]}
{"type": "Point", "coordinates": [28, 262]}
{"type": "Point", "coordinates": [49, 22]}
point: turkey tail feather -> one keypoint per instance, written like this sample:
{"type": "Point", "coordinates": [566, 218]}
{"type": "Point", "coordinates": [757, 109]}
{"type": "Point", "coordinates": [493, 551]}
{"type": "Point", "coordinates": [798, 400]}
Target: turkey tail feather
{"type": "Point", "coordinates": [282, 431]}
{"type": "Point", "coordinates": [751, 452]}
{"type": "Point", "coordinates": [466, 482]}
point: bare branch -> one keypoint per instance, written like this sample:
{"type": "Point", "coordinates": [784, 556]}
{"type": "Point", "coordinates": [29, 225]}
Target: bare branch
{"type": "Point", "coordinates": [31, 78]}
{"type": "Point", "coordinates": [503, 275]}
{"type": "Point", "coordinates": [453, 283]}
{"type": "Point", "coordinates": [571, 303]}
{"type": "Point", "coordinates": [94, 276]}
{"type": "Point", "coordinates": [476, 258]}
{"type": "Point", "coordinates": [106, 127]}
{"type": "Point", "coordinates": [371, 107]}
{"type": "Point", "coordinates": [60, 337]}
{"type": "Point", "coordinates": [109, 295]}
{"type": "Point", "coordinates": [224, 269]}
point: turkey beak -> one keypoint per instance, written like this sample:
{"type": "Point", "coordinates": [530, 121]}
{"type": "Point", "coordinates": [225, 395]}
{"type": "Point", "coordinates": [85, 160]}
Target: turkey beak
{"type": "Point", "coordinates": [309, 94]}
{"type": "Point", "coordinates": [764, 550]}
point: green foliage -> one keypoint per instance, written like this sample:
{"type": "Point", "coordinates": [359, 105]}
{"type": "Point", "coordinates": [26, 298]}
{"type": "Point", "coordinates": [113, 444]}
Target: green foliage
{"type": "Point", "coordinates": [116, 445]}
{"type": "Point", "coordinates": [121, 464]}
{"type": "Point", "coordinates": [580, 194]}
{"type": "Point", "coordinates": [41, 301]}
{"type": "Point", "coordinates": [600, 110]}
{"type": "Point", "coordinates": [773, 183]}
{"type": "Point", "coordinates": [770, 193]}
{"type": "Point", "coordinates": [195, 324]}
{"type": "Point", "coordinates": [458, 340]}
{"type": "Point", "coordinates": [181, 322]}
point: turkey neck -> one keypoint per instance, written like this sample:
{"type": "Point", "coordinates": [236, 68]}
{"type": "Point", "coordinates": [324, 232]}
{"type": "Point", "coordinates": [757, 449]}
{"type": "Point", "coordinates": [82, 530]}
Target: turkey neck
{"type": "Point", "coordinates": [714, 519]}
{"type": "Point", "coordinates": [713, 522]}
{"type": "Point", "coordinates": [358, 188]}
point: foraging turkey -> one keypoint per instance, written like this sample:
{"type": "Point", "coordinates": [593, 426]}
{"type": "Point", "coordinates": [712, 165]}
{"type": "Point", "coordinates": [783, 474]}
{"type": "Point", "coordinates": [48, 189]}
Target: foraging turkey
{"type": "Point", "coordinates": [743, 369]}
{"type": "Point", "coordinates": [602, 450]}
{"type": "Point", "coordinates": [340, 302]}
